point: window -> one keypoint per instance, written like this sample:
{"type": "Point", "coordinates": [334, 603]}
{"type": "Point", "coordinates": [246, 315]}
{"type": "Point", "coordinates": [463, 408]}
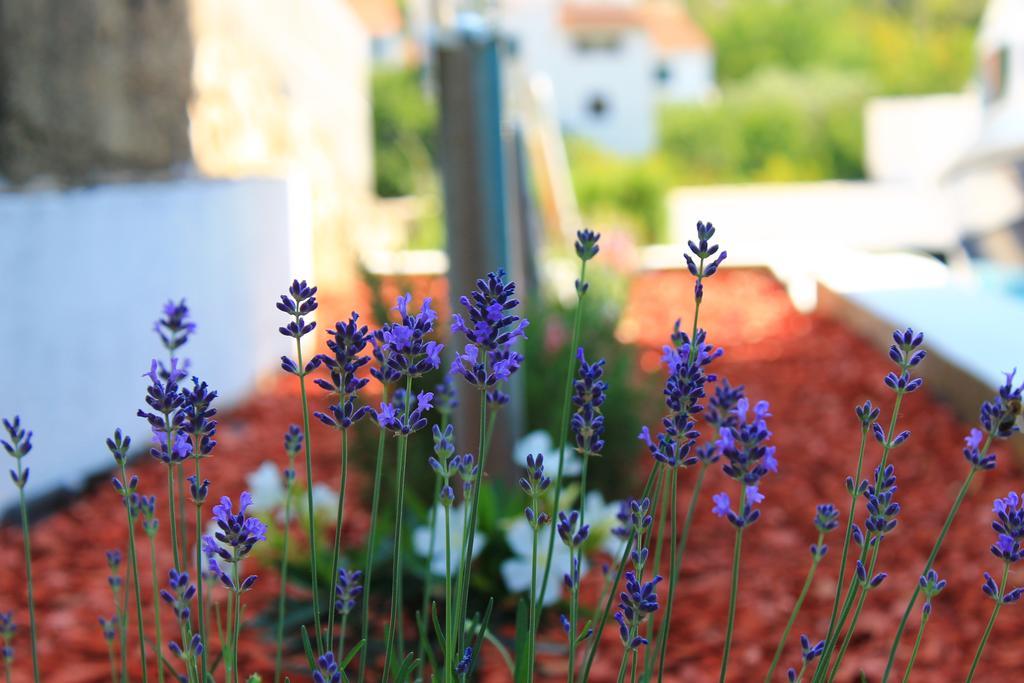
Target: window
{"type": "Point", "coordinates": [597, 106]}
{"type": "Point", "coordinates": [663, 73]}
{"type": "Point", "coordinates": [597, 42]}
{"type": "Point", "coordinates": [993, 74]}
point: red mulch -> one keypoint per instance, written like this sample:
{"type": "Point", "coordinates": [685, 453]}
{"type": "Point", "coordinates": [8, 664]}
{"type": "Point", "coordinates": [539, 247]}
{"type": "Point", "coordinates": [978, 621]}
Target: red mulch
{"type": "Point", "coordinates": [812, 370]}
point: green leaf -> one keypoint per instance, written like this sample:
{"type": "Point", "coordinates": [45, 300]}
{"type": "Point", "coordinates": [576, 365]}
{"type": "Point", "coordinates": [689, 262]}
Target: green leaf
{"type": "Point", "coordinates": [479, 636]}
{"type": "Point", "coordinates": [522, 641]}
{"type": "Point", "coordinates": [502, 650]}
{"type": "Point", "coordinates": [255, 678]}
{"type": "Point", "coordinates": [438, 631]}
{"type": "Point", "coordinates": [309, 649]}
{"type": "Point", "coordinates": [352, 653]}
{"type": "Point", "coordinates": [408, 664]}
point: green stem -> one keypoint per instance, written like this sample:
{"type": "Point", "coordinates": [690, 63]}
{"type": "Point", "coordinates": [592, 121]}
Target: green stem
{"type": "Point", "coordinates": [849, 532]}
{"type": "Point", "coordinates": [110, 656]}
{"type": "Point", "coordinates": [171, 516]}
{"type": "Point", "coordinates": [337, 536]}
{"type": "Point", "coordinates": [856, 613]}
{"type": "Point", "coordinates": [734, 588]}
{"type": "Point", "coordinates": [238, 624]}
{"type": "Point", "coordinates": [449, 645]}
{"type": "Point", "coordinates": [577, 324]}
{"type": "Point", "coordinates": [284, 577]}
{"type": "Point", "coordinates": [674, 560]}
{"type": "Point", "coordinates": [314, 566]}
{"type": "Point", "coordinates": [917, 646]}
{"type": "Point", "coordinates": [622, 666]}
{"type": "Point", "coordinates": [574, 599]}
{"type": "Point", "coordinates": [991, 623]}
{"type": "Point", "coordinates": [531, 644]}
{"type": "Point", "coordinates": [470, 526]}
{"type": "Point", "coordinates": [134, 566]}
{"type": "Point", "coordinates": [830, 641]}
{"type": "Point", "coordinates": [658, 531]}
{"type": "Point", "coordinates": [179, 475]}
{"type": "Point", "coordinates": [796, 610]}
{"type": "Point", "coordinates": [121, 610]}
{"type": "Point", "coordinates": [606, 610]}
{"type": "Point", "coordinates": [341, 636]}
{"type": "Point", "coordinates": [200, 604]}
{"type": "Point", "coordinates": [931, 559]}
{"type": "Point", "coordinates": [156, 609]}
{"type": "Point", "coordinates": [428, 581]}
{"type": "Point", "coordinates": [396, 571]}
{"type": "Point", "coordinates": [371, 545]}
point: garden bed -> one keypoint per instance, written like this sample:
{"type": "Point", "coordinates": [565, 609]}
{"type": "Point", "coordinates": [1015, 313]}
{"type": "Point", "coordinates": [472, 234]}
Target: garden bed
{"type": "Point", "coordinates": [811, 369]}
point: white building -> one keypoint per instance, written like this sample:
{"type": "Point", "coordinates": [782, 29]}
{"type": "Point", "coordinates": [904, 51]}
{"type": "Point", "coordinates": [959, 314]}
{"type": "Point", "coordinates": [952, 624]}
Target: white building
{"type": "Point", "coordinates": [612, 63]}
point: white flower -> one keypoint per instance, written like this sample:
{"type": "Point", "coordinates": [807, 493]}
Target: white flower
{"type": "Point", "coordinates": [540, 441]}
{"type": "Point", "coordinates": [602, 518]}
{"type": "Point", "coordinates": [421, 539]}
{"type": "Point", "coordinates": [325, 501]}
{"type": "Point", "coordinates": [266, 484]}
{"type": "Point", "coordinates": [517, 571]}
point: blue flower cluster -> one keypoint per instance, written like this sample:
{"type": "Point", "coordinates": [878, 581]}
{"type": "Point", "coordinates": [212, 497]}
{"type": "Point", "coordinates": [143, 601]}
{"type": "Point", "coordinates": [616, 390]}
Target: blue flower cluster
{"type": "Point", "coordinates": [588, 395]}
{"type": "Point", "coordinates": [748, 458]}
{"type": "Point", "coordinates": [491, 327]}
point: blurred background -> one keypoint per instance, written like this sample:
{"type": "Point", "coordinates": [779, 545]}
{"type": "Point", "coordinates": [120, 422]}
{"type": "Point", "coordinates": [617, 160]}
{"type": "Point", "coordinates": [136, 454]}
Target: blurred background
{"type": "Point", "coordinates": [863, 161]}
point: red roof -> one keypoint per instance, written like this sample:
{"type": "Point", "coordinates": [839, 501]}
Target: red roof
{"type": "Point", "coordinates": [669, 26]}
{"type": "Point", "coordinates": [380, 17]}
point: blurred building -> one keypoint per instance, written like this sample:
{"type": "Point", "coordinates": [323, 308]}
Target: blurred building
{"type": "Point", "coordinates": [612, 63]}
{"type": "Point", "coordinates": [157, 149]}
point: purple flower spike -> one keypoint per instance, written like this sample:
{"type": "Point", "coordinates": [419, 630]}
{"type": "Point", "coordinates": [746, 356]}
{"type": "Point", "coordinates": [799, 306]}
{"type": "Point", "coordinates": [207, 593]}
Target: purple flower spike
{"type": "Point", "coordinates": [492, 328]}
{"type": "Point", "coordinates": [347, 590]}
{"type": "Point", "coordinates": [235, 537]}
{"type": "Point", "coordinates": [327, 670]}
{"type": "Point", "coordinates": [588, 395]}
{"type": "Point", "coordinates": [174, 327]}
{"type": "Point", "coordinates": [586, 244]}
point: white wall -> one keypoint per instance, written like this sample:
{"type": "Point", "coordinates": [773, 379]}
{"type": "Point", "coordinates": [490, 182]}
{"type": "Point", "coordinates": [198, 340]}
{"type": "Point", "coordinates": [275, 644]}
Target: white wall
{"type": "Point", "coordinates": [692, 77]}
{"type": "Point", "coordinates": [83, 275]}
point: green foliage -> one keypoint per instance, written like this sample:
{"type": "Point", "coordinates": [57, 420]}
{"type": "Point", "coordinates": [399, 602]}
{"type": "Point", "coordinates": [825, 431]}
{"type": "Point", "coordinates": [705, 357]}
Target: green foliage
{"type": "Point", "coordinates": [775, 126]}
{"type": "Point", "coordinates": [404, 132]}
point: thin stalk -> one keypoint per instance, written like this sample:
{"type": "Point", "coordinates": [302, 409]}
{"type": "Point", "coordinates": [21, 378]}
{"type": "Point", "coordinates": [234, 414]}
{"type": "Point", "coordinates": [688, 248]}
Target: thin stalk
{"type": "Point", "coordinates": [531, 644]}
{"type": "Point", "coordinates": [833, 637]}
{"type": "Point", "coordinates": [313, 564]}
{"type": "Point", "coordinates": [931, 559]}
{"type": "Point", "coordinates": [171, 517]}
{"type": "Point", "coordinates": [199, 571]}
{"type": "Point", "coordinates": [917, 646]}
{"type": "Point", "coordinates": [658, 531]}
{"type": "Point", "coordinates": [816, 559]}
{"type": "Point", "coordinates": [449, 645]}
{"type": "Point", "coordinates": [734, 588]}
{"type": "Point", "coordinates": [603, 619]}
{"type": "Point", "coordinates": [179, 476]}
{"type": "Point", "coordinates": [577, 323]}
{"type": "Point", "coordinates": [110, 656]}
{"type": "Point", "coordinates": [396, 571]}
{"type": "Point", "coordinates": [371, 545]}
{"type": "Point", "coordinates": [238, 624]}
{"type": "Point", "coordinates": [574, 596]}
{"type": "Point", "coordinates": [284, 578]}
{"type": "Point", "coordinates": [337, 535]}
{"type": "Point", "coordinates": [121, 610]}
{"type": "Point", "coordinates": [156, 609]}
{"type": "Point", "coordinates": [470, 518]}
{"type": "Point", "coordinates": [856, 613]}
{"type": "Point", "coordinates": [134, 566]}
{"type": "Point", "coordinates": [684, 537]}
{"type": "Point", "coordinates": [622, 666]}
{"type": "Point", "coordinates": [991, 623]}
{"type": "Point", "coordinates": [633, 678]}
{"type": "Point", "coordinates": [341, 636]}
{"type": "Point", "coordinates": [673, 578]}
{"type": "Point", "coordinates": [849, 530]}
{"type": "Point", "coordinates": [425, 651]}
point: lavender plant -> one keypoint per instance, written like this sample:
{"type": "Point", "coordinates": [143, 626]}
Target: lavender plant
{"type": "Point", "coordinates": [292, 445]}
{"type": "Point", "coordinates": [7, 630]}
{"type": "Point", "coordinates": [180, 417]}
{"type": "Point", "coordinates": [1009, 527]}
{"type": "Point", "coordinates": [18, 444]}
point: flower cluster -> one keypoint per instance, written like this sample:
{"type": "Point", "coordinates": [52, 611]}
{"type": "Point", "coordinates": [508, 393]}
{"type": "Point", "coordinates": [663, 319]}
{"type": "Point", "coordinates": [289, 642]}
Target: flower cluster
{"type": "Point", "coordinates": [179, 594]}
{"type": "Point", "coordinates": [535, 484]}
{"type": "Point", "coordinates": [404, 348]}
{"type": "Point", "coordinates": [166, 418]}
{"type": "Point", "coordinates": [703, 250]}
{"type": "Point", "coordinates": [7, 629]}
{"type": "Point", "coordinates": [347, 590]}
{"type": "Point", "coordinates": [174, 327]}
{"type": "Point", "coordinates": [882, 510]}
{"type": "Point", "coordinates": [931, 585]}
{"type": "Point", "coordinates": [1009, 527]}
{"type": "Point", "coordinates": [491, 328]}
{"type": "Point", "coordinates": [197, 413]}
{"type": "Point", "coordinates": [638, 601]}
{"type": "Point", "coordinates": [405, 414]}
{"type": "Point", "coordinates": [326, 670]}
{"type": "Point", "coordinates": [114, 565]}
{"type": "Point", "coordinates": [588, 395]}
{"type": "Point", "coordinates": [808, 653]}
{"type": "Point", "coordinates": [826, 518]}
{"type": "Point", "coordinates": [347, 342]}
{"type": "Point", "coordinates": [905, 352]}
{"type": "Point", "coordinates": [684, 388]}
{"type": "Point", "coordinates": [1000, 416]}
{"type": "Point", "coordinates": [748, 458]}
{"type": "Point", "coordinates": [235, 537]}
{"type": "Point", "coordinates": [18, 446]}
